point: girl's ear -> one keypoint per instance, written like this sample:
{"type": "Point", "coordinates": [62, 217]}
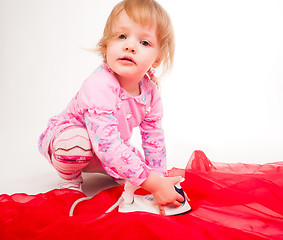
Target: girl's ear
{"type": "Point", "coordinates": [157, 62]}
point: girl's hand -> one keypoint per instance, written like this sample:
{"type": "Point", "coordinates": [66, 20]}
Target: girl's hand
{"type": "Point", "coordinates": [163, 190]}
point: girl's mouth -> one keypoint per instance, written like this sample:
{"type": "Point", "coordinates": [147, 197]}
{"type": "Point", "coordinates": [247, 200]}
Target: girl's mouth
{"type": "Point", "coordinates": [127, 60]}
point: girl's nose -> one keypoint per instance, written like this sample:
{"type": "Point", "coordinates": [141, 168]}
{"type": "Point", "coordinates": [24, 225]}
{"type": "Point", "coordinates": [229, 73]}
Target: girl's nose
{"type": "Point", "coordinates": [132, 50]}
{"type": "Point", "coordinates": [130, 47]}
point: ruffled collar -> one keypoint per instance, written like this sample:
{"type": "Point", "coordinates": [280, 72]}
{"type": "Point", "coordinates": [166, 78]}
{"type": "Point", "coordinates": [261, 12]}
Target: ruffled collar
{"type": "Point", "coordinates": [143, 97]}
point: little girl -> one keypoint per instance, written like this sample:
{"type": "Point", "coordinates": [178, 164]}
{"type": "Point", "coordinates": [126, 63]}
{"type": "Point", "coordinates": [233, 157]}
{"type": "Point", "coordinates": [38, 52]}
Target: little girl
{"type": "Point", "coordinates": [92, 134]}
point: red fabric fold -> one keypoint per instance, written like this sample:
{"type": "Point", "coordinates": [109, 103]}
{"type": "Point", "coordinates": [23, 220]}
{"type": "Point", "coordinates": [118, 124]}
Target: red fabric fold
{"type": "Point", "coordinates": [229, 201]}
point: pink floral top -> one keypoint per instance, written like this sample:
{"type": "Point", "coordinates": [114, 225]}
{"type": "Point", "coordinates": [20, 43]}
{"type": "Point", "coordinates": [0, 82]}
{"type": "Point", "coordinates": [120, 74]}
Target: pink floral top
{"type": "Point", "coordinates": [110, 113]}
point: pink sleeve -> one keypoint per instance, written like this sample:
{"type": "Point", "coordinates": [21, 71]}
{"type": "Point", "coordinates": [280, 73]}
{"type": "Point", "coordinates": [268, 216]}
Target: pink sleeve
{"type": "Point", "coordinates": [113, 153]}
{"type": "Point", "coordinates": [99, 91]}
{"type": "Point", "coordinates": [153, 136]}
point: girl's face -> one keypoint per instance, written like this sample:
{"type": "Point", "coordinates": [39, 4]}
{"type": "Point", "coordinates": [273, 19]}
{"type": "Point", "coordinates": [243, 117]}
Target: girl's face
{"type": "Point", "coordinates": [133, 50]}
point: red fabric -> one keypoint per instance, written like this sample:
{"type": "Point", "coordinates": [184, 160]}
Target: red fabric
{"type": "Point", "coordinates": [229, 201]}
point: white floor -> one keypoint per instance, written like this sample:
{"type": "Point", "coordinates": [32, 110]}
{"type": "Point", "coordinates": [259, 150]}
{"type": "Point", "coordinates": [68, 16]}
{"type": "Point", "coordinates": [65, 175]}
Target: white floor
{"type": "Point", "coordinates": [28, 172]}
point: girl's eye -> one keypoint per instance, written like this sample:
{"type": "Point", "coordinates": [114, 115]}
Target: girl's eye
{"type": "Point", "coordinates": [145, 43]}
{"type": "Point", "coordinates": [122, 36]}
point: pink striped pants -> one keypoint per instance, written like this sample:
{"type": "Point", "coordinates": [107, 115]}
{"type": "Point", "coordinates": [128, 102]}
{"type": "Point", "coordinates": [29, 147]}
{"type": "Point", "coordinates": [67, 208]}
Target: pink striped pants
{"type": "Point", "coordinates": [71, 153]}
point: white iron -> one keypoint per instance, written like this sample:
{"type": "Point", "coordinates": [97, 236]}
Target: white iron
{"type": "Point", "coordinates": [137, 203]}
{"type": "Point", "coordinates": [129, 202]}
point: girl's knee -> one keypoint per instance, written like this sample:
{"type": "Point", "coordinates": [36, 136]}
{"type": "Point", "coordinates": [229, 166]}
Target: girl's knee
{"type": "Point", "coordinates": [73, 141]}
{"type": "Point", "coordinates": [71, 151]}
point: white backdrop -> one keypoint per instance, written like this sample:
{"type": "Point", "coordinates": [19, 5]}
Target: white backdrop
{"type": "Point", "coordinates": [224, 95]}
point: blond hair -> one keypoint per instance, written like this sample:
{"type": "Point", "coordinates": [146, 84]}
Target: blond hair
{"type": "Point", "coordinates": [144, 12]}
